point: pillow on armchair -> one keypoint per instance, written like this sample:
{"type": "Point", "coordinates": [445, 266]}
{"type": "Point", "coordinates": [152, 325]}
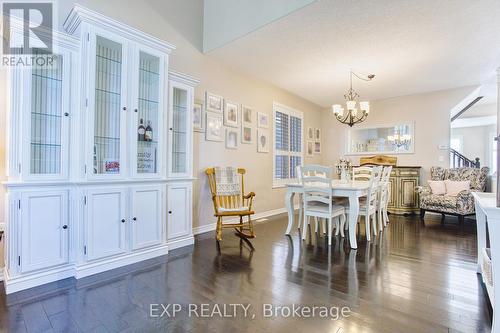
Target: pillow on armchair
{"type": "Point", "coordinates": [437, 186]}
{"type": "Point", "coordinates": [455, 187]}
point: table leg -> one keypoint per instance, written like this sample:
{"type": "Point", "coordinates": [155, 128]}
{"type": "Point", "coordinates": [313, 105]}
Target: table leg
{"type": "Point", "coordinates": [289, 209]}
{"type": "Point", "coordinates": [301, 211]}
{"type": "Point", "coordinates": [353, 220]}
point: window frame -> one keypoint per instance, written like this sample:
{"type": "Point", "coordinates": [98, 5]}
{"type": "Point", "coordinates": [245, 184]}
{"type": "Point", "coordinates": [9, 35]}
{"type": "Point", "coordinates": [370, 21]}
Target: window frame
{"type": "Point", "coordinates": [291, 112]}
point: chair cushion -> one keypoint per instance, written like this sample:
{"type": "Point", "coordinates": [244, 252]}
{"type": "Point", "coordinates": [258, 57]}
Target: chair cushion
{"type": "Point", "coordinates": [455, 187]}
{"type": "Point", "coordinates": [438, 200]}
{"type": "Point", "coordinates": [437, 186]}
{"type": "Point", "coordinates": [237, 209]}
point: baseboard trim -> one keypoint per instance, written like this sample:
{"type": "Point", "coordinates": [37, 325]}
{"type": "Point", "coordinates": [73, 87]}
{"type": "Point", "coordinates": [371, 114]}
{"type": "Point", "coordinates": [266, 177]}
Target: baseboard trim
{"type": "Point", "coordinates": [14, 284]}
{"type": "Point", "coordinates": [269, 213]}
{"type": "Point", "coordinates": [108, 264]}
{"type": "Point", "coordinates": [177, 243]}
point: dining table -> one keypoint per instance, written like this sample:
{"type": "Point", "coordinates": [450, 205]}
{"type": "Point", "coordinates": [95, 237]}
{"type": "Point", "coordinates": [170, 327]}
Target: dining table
{"type": "Point", "coordinates": [351, 189]}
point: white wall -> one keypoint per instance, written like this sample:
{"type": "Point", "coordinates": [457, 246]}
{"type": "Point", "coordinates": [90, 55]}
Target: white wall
{"type": "Point", "coordinates": [476, 142]}
{"type": "Point", "coordinates": [430, 112]}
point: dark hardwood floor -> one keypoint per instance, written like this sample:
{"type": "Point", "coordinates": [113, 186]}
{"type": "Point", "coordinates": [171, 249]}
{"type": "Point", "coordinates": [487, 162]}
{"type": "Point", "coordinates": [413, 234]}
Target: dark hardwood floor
{"type": "Point", "coordinates": [413, 278]}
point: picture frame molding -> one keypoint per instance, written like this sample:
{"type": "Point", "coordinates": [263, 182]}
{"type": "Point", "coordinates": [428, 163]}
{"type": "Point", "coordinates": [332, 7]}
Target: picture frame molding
{"type": "Point", "coordinates": [207, 105]}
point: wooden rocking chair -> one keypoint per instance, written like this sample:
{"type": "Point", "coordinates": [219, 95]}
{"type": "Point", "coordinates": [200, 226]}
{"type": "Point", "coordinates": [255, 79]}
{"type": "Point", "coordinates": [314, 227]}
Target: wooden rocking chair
{"type": "Point", "coordinates": [232, 205]}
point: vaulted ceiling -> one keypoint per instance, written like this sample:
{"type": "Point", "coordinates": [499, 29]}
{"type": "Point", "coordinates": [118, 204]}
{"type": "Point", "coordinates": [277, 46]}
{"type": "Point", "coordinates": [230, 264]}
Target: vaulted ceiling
{"type": "Point", "coordinates": [412, 47]}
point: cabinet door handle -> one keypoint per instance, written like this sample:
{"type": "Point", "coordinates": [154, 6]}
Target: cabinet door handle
{"type": "Point", "coordinates": [135, 110]}
{"type": "Point", "coordinates": [170, 212]}
{"type": "Point", "coordinates": [65, 226]}
{"type": "Point", "coordinates": [135, 218]}
{"type": "Point", "coordinates": [66, 114]}
{"type": "Point", "coordinates": [123, 220]}
{"type": "Point", "coordinates": [124, 108]}
{"type": "Point", "coordinates": [171, 129]}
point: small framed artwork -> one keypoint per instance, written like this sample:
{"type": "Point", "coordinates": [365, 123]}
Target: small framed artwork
{"type": "Point", "coordinates": [231, 138]}
{"type": "Point", "coordinates": [317, 134]}
{"type": "Point", "coordinates": [198, 116]}
{"type": "Point", "coordinates": [262, 120]}
{"type": "Point", "coordinates": [214, 127]}
{"type": "Point", "coordinates": [310, 148]}
{"type": "Point", "coordinates": [262, 141]}
{"type": "Point", "coordinates": [246, 115]}
{"type": "Point", "coordinates": [246, 134]}
{"type": "Point", "coordinates": [310, 133]}
{"type": "Point", "coordinates": [231, 111]}
{"type": "Point", "coordinates": [317, 147]}
{"type": "Point", "coordinates": [214, 102]}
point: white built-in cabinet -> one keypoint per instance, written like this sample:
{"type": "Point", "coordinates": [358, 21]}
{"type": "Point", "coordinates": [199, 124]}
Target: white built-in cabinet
{"type": "Point", "coordinates": [99, 155]}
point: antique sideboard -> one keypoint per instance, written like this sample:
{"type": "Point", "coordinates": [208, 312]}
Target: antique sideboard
{"type": "Point", "coordinates": [403, 197]}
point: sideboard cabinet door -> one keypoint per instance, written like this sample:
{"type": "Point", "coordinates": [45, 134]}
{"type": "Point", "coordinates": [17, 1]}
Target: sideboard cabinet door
{"type": "Point", "coordinates": [44, 229]}
{"type": "Point", "coordinates": [408, 196]}
{"type": "Point", "coordinates": [179, 210]}
{"type": "Point", "coordinates": [146, 216]}
{"type": "Point", "coordinates": [106, 222]}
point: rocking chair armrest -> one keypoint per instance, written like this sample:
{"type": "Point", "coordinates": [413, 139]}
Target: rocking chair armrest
{"type": "Point", "coordinates": [249, 195]}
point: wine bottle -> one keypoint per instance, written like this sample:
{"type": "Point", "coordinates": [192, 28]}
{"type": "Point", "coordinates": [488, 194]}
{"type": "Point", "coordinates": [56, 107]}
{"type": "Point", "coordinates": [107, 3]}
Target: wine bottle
{"type": "Point", "coordinates": [148, 136]}
{"type": "Point", "coordinates": [141, 131]}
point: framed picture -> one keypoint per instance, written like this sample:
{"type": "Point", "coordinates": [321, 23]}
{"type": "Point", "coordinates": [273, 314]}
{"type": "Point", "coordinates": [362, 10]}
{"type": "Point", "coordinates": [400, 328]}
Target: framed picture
{"type": "Point", "coordinates": [317, 134]}
{"type": "Point", "coordinates": [231, 111]}
{"type": "Point", "coordinates": [231, 138]}
{"type": "Point", "coordinates": [246, 115]}
{"type": "Point", "coordinates": [214, 127]}
{"type": "Point", "coordinates": [262, 120]}
{"type": "Point", "coordinates": [310, 148]}
{"type": "Point", "coordinates": [317, 147]}
{"type": "Point", "coordinates": [262, 141]}
{"type": "Point", "coordinates": [198, 116]}
{"type": "Point", "coordinates": [213, 102]}
{"type": "Point", "coordinates": [310, 133]}
{"type": "Point", "coordinates": [246, 134]}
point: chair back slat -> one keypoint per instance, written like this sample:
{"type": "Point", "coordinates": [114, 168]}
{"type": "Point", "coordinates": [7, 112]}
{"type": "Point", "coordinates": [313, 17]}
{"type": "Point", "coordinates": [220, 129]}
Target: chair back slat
{"type": "Point", "coordinates": [376, 175]}
{"type": "Point", "coordinates": [316, 181]}
{"type": "Point", "coordinates": [226, 201]}
{"type": "Point", "coordinates": [362, 173]}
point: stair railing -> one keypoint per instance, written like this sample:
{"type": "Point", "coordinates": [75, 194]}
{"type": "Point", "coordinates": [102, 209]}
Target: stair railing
{"type": "Point", "coordinates": [458, 160]}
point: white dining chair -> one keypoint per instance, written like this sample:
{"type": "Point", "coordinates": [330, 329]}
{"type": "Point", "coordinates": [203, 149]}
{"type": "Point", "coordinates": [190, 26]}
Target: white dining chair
{"type": "Point", "coordinates": [318, 200]}
{"type": "Point", "coordinates": [361, 173]}
{"type": "Point", "coordinates": [368, 207]}
{"type": "Point", "coordinates": [384, 196]}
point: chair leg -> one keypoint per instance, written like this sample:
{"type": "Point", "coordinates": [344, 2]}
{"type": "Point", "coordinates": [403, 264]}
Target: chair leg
{"type": "Point", "coordinates": [422, 213]}
{"type": "Point", "coordinates": [386, 217]}
{"type": "Point", "coordinates": [241, 223]}
{"type": "Point", "coordinates": [380, 219]}
{"type": "Point", "coordinates": [374, 224]}
{"type": "Point", "coordinates": [330, 220]}
{"type": "Point", "coordinates": [342, 223]}
{"type": "Point", "coordinates": [250, 226]}
{"type": "Point", "coordinates": [218, 231]}
{"type": "Point", "coordinates": [324, 226]}
{"type": "Point", "coordinates": [367, 227]}
{"type": "Point", "coordinates": [304, 227]}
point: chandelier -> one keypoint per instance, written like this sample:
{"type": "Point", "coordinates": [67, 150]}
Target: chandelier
{"type": "Point", "coordinates": [399, 140]}
{"type": "Point", "coordinates": [353, 114]}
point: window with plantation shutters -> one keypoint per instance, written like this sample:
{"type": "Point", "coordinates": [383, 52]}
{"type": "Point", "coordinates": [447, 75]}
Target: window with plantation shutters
{"type": "Point", "coordinates": [288, 143]}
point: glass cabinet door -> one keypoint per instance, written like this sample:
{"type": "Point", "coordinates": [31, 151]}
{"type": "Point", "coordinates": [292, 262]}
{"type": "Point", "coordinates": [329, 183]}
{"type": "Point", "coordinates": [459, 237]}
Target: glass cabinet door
{"type": "Point", "coordinates": [179, 130]}
{"type": "Point", "coordinates": [47, 124]}
{"type": "Point", "coordinates": [107, 150]}
{"type": "Point", "coordinates": [148, 120]}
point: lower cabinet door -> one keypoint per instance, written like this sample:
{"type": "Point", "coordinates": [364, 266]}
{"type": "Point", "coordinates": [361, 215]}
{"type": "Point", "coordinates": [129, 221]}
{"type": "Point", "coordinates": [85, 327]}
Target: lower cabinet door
{"type": "Point", "coordinates": [106, 221]}
{"type": "Point", "coordinates": [408, 196]}
{"type": "Point", "coordinates": [44, 229]}
{"type": "Point", "coordinates": [146, 216]}
{"type": "Point", "coordinates": [179, 210]}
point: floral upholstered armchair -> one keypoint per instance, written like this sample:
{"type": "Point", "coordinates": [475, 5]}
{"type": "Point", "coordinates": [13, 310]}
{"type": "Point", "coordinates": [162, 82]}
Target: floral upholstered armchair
{"type": "Point", "coordinates": [460, 205]}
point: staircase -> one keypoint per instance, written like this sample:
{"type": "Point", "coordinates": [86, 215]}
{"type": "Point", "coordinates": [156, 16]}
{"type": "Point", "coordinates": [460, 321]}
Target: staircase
{"type": "Point", "coordinates": [458, 160]}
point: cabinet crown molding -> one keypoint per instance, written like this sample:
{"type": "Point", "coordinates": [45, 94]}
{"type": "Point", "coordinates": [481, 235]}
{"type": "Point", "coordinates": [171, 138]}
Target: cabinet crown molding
{"type": "Point", "coordinates": [80, 14]}
{"type": "Point", "coordinates": [183, 78]}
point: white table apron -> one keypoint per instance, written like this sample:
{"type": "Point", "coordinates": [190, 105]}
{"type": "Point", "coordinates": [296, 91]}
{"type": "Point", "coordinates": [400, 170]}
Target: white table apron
{"type": "Point", "coordinates": [351, 190]}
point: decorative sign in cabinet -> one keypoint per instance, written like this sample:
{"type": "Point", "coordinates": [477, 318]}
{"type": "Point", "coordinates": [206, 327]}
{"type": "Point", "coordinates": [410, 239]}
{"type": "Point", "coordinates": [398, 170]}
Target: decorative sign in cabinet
{"type": "Point", "coordinates": [100, 150]}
